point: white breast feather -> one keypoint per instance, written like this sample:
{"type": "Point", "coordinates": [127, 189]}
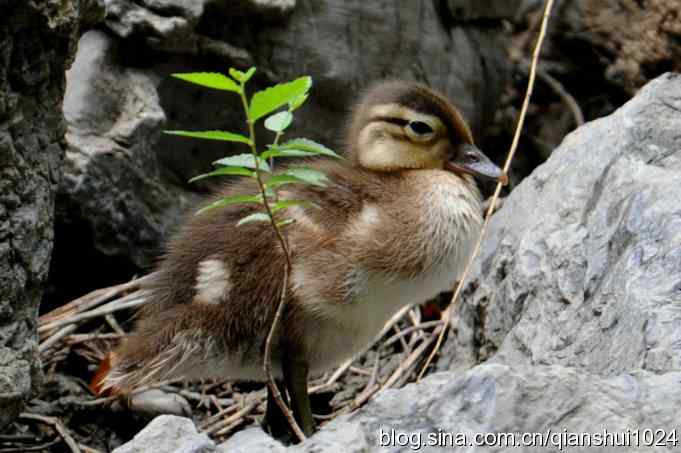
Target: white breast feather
{"type": "Point", "coordinates": [343, 330]}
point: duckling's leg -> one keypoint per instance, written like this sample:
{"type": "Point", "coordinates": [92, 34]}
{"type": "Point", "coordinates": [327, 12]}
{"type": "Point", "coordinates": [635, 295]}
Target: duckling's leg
{"type": "Point", "coordinates": [275, 422]}
{"type": "Point", "coordinates": [295, 375]}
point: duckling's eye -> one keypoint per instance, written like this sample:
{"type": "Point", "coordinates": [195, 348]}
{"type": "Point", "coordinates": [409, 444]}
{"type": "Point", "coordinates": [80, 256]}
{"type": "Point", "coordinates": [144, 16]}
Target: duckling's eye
{"type": "Point", "coordinates": [419, 130]}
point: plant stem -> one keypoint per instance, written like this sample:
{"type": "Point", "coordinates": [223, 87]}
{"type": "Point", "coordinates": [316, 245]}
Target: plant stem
{"type": "Point", "coordinates": [267, 362]}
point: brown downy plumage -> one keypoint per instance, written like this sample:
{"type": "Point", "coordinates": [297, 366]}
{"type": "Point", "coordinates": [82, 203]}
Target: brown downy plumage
{"type": "Point", "coordinates": [394, 226]}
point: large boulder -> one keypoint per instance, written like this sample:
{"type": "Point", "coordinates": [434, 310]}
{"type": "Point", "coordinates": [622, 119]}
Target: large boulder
{"type": "Point", "coordinates": [582, 265]}
{"type": "Point", "coordinates": [37, 41]}
{"type": "Point", "coordinates": [538, 405]}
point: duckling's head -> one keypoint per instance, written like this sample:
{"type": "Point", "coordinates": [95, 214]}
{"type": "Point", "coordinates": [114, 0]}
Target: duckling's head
{"type": "Point", "coordinates": [406, 126]}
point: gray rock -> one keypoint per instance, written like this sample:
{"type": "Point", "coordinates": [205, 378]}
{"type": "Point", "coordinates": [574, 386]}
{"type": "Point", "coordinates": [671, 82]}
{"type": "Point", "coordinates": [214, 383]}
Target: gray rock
{"type": "Point", "coordinates": [169, 26]}
{"type": "Point", "coordinates": [157, 22]}
{"type": "Point", "coordinates": [36, 47]}
{"type": "Point", "coordinates": [92, 12]}
{"type": "Point", "coordinates": [346, 45]}
{"type": "Point", "coordinates": [153, 402]}
{"type": "Point", "coordinates": [470, 10]}
{"type": "Point", "coordinates": [112, 181]}
{"type": "Point", "coordinates": [552, 404]}
{"type": "Point", "coordinates": [251, 440]}
{"type": "Point", "coordinates": [550, 401]}
{"type": "Point", "coordinates": [582, 265]}
{"type": "Point", "coordinates": [268, 8]}
{"type": "Point", "coordinates": [168, 434]}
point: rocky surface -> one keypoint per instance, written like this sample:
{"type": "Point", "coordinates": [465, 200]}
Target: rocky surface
{"type": "Point", "coordinates": [163, 24]}
{"type": "Point", "coordinates": [549, 403]}
{"type": "Point", "coordinates": [114, 208]}
{"type": "Point", "coordinates": [582, 265]}
{"type": "Point", "coordinates": [631, 40]}
{"type": "Point", "coordinates": [36, 46]}
{"type": "Point", "coordinates": [169, 433]}
{"type": "Point", "coordinates": [356, 42]}
{"type": "Point", "coordinates": [574, 305]}
{"type": "Point", "coordinates": [112, 180]}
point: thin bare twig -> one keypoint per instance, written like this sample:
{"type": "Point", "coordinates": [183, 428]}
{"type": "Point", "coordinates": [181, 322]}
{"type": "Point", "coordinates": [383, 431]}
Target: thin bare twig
{"type": "Point", "coordinates": [83, 337]}
{"type": "Point", "coordinates": [560, 91]}
{"type": "Point", "coordinates": [408, 330]}
{"type": "Point", "coordinates": [404, 367]}
{"type": "Point", "coordinates": [374, 372]}
{"type": "Point", "coordinates": [92, 300]}
{"type": "Point", "coordinates": [446, 314]}
{"type": "Point", "coordinates": [58, 426]}
{"type": "Point", "coordinates": [113, 323]}
{"type": "Point", "coordinates": [123, 303]}
{"type": "Point", "coordinates": [228, 410]}
{"type": "Point", "coordinates": [25, 449]}
{"type": "Point", "coordinates": [54, 339]}
{"type": "Point", "coordinates": [248, 408]}
{"type": "Point", "coordinates": [87, 449]}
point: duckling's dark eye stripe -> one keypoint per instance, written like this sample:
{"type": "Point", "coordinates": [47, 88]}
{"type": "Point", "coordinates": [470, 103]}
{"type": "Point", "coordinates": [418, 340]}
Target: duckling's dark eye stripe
{"type": "Point", "coordinates": [391, 119]}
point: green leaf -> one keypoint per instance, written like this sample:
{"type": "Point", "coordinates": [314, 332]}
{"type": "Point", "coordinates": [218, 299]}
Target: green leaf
{"type": "Point", "coordinates": [240, 76]}
{"type": "Point", "coordinates": [249, 74]}
{"type": "Point", "coordinates": [275, 151]}
{"type": "Point", "coordinates": [239, 171]}
{"type": "Point", "coordinates": [280, 180]}
{"type": "Point", "coordinates": [243, 160]}
{"type": "Point", "coordinates": [297, 102]}
{"type": "Point", "coordinates": [227, 201]}
{"type": "Point", "coordinates": [213, 80]}
{"type": "Point", "coordinates": [308, 175]}
{"type": "Point", "coordinates": [236, 74]}
{"type": "Point", "coordinates": [212, 135]}
{"type": "Point", "coordinates": [255, 217]}
{"type": "Point", "coordinates": [283, 204]}
{"type": "Point", "coordinates": [270, 99]}
{"type": "Point", "coordinates": [279, 121]}
{"type": "Point", "coordinates": [309, 146]}
{"type": "Point", "coordinates": [284, 223]}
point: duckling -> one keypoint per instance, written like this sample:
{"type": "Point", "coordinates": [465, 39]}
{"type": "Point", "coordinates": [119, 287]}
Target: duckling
{"type": "Point", "coordinates": [395, 225]}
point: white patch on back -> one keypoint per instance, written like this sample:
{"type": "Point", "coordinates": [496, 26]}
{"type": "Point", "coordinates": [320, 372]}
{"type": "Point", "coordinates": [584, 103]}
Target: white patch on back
{"type": "Point", "coordinates": [212, 282]}
{"type": "Point", "coordinates": [367, 219]}
{"type": "Point", "coordinates": [369, 215]}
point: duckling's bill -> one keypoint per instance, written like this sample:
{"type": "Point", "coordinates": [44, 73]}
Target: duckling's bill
{"type": "Point", "coordinates": [473, 161]}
